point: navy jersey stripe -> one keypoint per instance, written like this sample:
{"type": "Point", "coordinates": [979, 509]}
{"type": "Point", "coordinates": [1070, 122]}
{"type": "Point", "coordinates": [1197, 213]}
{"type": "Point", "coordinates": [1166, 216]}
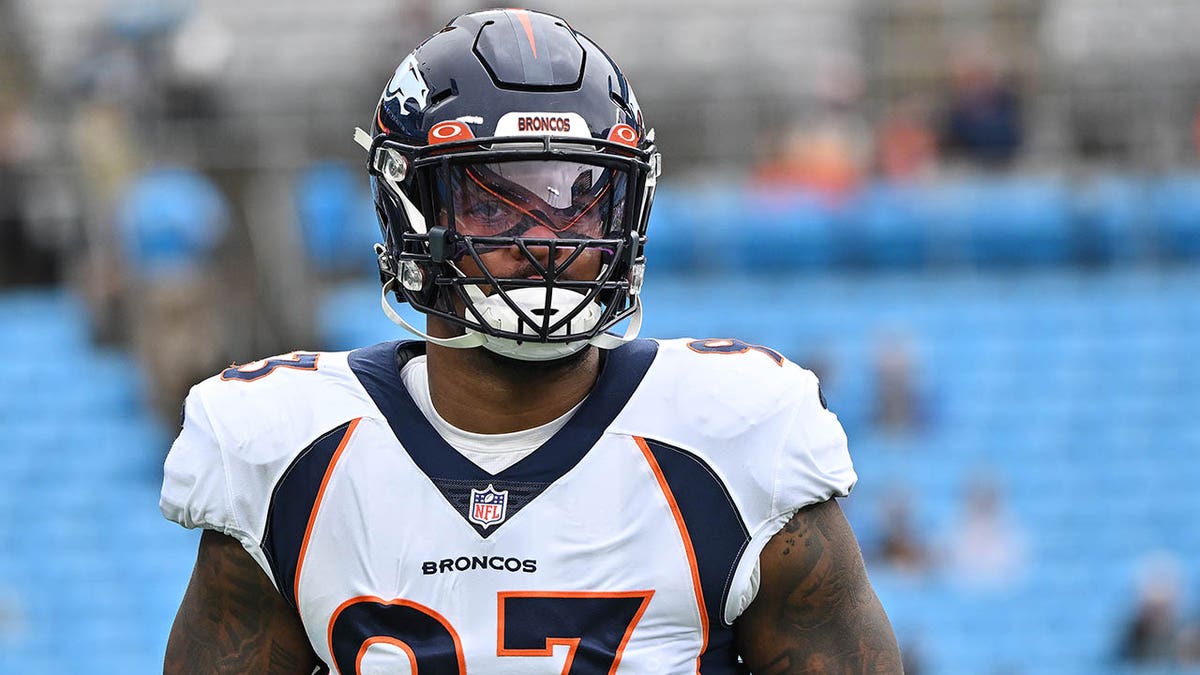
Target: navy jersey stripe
{"type": "Point", "coordinates": [293, 506]}
{"type": "Point", "coordinates": [718, 537]}
{"type": "Point", "coordinates": [378, 370]}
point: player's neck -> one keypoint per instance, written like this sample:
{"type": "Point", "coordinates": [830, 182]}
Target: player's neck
{"type": "Point", "coordinates": [480, 392]}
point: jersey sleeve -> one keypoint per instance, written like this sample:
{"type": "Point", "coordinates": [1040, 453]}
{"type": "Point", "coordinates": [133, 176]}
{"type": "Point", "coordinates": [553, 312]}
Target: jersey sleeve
{"type": "Point", "coordinates": [242, 429]}
{"type": "Point", "coordinates": [814, 460]}
{"type": "Point", "coordinates": [195, 491]}
{"type": "Point", "coordinates": [813, 465]}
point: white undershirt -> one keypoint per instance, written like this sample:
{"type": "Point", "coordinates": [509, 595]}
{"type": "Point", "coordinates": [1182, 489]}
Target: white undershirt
{"type": "Point", "coordinates": [491, 452]}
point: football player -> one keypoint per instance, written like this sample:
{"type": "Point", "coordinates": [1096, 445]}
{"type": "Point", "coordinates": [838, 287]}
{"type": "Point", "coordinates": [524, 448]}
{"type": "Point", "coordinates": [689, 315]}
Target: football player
{"type": "Point", "coordinates": [528, 488]}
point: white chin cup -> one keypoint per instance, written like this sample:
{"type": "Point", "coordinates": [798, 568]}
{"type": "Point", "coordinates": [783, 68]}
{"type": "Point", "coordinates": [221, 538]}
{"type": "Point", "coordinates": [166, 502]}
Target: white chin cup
{"type": "Point", "coordinates": [532, 301]}
{"type": "Point", "coordinates": [499, 315]}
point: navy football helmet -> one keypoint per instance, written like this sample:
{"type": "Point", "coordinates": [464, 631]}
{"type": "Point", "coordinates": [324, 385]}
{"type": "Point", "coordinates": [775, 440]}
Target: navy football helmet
{"type": "Point", "coordinates": [513, 176]}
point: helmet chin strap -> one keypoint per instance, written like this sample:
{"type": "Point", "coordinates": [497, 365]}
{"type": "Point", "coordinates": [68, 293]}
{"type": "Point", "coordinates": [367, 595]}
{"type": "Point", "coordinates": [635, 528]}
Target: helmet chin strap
{"type": "Point", "coordinates": [415, 218]}
{"type": "Point", "coordinates": [515, 349]}
{"type": "Point", "coordinates": [468, 340]}
{"type": "Point", "coordinates": [362, 138]}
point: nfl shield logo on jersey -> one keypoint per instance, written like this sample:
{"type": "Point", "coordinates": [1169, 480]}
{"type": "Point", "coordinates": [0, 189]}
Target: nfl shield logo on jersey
{"type": "Point", "coordinates": [488, 507]}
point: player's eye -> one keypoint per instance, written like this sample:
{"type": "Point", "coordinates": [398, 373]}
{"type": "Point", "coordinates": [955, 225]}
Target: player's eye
{"type": "Point", "coordinates": [487, 211]}
{"type": "Point", "coordinates": [486, 217]}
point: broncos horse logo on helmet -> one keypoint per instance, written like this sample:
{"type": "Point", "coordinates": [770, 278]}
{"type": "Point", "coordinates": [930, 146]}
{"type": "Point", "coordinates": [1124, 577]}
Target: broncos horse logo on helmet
{"type": "Point", "coordinates": [513, 176]}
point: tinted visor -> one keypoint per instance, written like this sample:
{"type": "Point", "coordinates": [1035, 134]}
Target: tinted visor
{"type": "Point", "coordinates": [536, 198]}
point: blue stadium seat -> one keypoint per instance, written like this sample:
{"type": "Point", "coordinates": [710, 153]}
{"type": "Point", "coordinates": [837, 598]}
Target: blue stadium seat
{"type": "Point", "coordinates": [350, 316]}
{"type": "Point", "coordinates": [675, 234]}
{"type": "Point", "coordinates": [40, 325]}
{"type": "Point", "coordinates": [777, 230]}
{"type": "Point", "coordinates": [888, 226]}
{"type": "Point", "coordinates": [337, 219]}
{"type": "Point", "coordinates": [716, 218]}
{"type": "Point", "coordinates": [1113, 224]}
{"type": "Point", "coordinates": [1175, 208]}
{"type": "Point", "coordinates": [171, 220]}
{"type": "Point", "coordinates": [1021, 221]}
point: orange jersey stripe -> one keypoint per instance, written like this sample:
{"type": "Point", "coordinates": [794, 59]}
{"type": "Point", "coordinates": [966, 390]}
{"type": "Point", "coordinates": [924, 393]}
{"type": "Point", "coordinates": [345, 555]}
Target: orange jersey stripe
{"type": "Point", "coordinates": [312, 517]}
{"type": "Point", "coordinates": [687, 542]}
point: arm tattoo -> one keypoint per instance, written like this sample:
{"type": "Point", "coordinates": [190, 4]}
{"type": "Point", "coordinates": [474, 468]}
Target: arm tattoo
{"type": "Point", "coordinates": [233, 621]}
{"type": "Point", "coordinates": [816, 612]}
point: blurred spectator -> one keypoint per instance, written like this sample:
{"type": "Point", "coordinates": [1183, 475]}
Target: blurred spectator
{"type": "Point", "coordinates": [826, 154]}
{"type": "Point", "coordinates": [1189, 645]}
{"type": "Point", "coordinates": [22, 259]}
{"type": "Point", "coordinates": [907, 145]}
{"type": "Point", "coordinates": [900, 548]}
{"type": "Point", "coordinates": [1196, 132]}
{"type": "Point", "coordinates": [821, 158]}
{"type": "Point", "coordinates": [1152, 633]}
{"type": "Point", "coordinates": [983, 117]}
{"type": "Point", "coordinates": [107, 155]}
{"type": "Point", "coordinates": [899, 405]}
{"type": "Point", "coordinates": [987, 549]}
{"type": "Point", "coordinates": [171, 221]}
{"type": "Point", "coordinates": [26, 253]}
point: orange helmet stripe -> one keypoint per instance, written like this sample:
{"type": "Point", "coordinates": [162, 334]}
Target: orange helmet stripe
{"type": "Point", "coordinates": [523, 17]}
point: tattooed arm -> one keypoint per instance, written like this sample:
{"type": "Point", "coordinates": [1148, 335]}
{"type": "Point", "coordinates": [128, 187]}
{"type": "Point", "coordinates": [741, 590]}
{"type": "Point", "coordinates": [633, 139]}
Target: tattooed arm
{"type": "Point", "coordinates": [816, 612]}
{"type": "Point", "coordinates": [233, 621]}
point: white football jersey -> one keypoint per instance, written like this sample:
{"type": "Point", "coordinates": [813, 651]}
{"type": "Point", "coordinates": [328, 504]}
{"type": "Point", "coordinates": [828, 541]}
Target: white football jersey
{"type": "Point", "coordinates": [627, 543]}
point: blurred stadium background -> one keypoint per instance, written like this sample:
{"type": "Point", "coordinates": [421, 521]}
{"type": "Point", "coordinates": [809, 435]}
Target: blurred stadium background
{"type": "Point", "coordinates": [977, 220]}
